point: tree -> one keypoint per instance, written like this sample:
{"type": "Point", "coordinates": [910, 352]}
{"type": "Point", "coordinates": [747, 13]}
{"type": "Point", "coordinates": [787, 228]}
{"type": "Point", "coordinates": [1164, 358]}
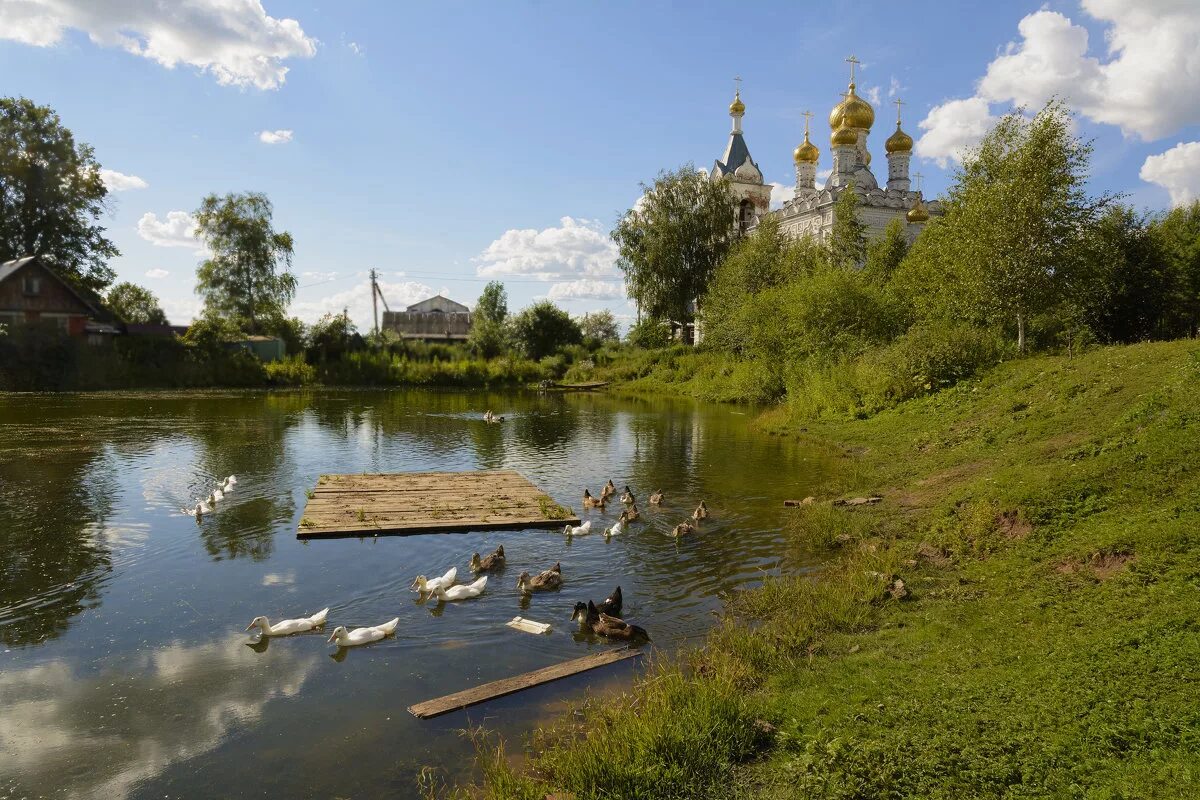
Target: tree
{"type": "Point", "coordinates": [1178, 236]}
{"type": "Point", "coordinates": [1012, 223]}
{"type": "Point", "coordinates": [330, 337]}
{"type": "Point", "coordinates": [600, 326]}
{"type": "Point", "coordinates": [51, 195]}
{"type": "Point", "coordinates": [848, 236]}
{"type": "Point", "coordinates": [543, 328]}
{"type": "Point", "coordinates": [493, 302]}
{"type": "Point", "coordinates": [133, 303]}
{"type": "Point", "coordinates": [671, 244]}
{"type": "Point", "coordinates": [885, 253]}
{"type": "Point", "coordinates": [650, 333]}
{"type": "Point", "coordinates": [242, 279]}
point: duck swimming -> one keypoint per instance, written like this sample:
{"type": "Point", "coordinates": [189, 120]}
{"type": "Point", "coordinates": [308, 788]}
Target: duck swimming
{"type": "Point", "coordinates": [656, 498]}
{"type": "Point", "coordinates": [462, 591]}
{"type": "Point", "coordinates": [425, 585]}
{"type": "Point", "coordinates": [578, 530]}
{"type": "Point", "coordinates": [701, 512]}
{"type": "Point", "coordinates": [632, 514]}
{"type": "Point", "coordinates": [611, 605]}
{"type": "Point", "coordinates": [359, 636]}
{"type": "Point", "coordinates": [492, 562]}
{"type": "Point", "coordinates": [683, 529]}
{"type": "Point", "coordinates": [608, 491]}
{"type": "Point", "coordinates": [617, 528]}
{"type": "Point", "coordinates": [592, 502]}
{"type": "Point", "coordinates": [288, 626]}
{"type": "Point", "coordinates": [545, 581]}
{"type": "Point", "coordinates": [608, 626]}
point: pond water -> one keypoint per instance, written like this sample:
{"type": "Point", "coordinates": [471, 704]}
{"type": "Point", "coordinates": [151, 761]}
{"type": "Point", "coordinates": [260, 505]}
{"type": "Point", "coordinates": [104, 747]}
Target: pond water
{"type": "Point", "coordinates": [124, 668]}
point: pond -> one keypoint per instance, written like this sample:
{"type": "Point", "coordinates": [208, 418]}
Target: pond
{"type": "Point", "coordinates": [124, 668]}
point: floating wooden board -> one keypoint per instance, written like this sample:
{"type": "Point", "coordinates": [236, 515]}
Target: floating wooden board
{"type": "Point", "coordinates": [500, 688]}
{"type": "Point", "coordinates": [428, 502]}
{"type": "Point", "coordinates": [580, 387]}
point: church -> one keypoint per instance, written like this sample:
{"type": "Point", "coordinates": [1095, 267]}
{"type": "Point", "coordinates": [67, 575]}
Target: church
{"type": "Point", "coordinates": [811, 211]}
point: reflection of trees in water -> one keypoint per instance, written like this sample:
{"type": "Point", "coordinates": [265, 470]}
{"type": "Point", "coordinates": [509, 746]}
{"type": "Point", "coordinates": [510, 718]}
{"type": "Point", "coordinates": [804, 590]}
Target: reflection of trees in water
{"type": "Point", "coordinates": [54, 498]}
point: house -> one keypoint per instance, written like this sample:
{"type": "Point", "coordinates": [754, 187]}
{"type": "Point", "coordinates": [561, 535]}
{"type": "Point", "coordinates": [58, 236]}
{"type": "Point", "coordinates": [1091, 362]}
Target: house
{"type": "Point", "coordinates": [31, 292]}
{"type": "Point", "coordinates": [435, 319]}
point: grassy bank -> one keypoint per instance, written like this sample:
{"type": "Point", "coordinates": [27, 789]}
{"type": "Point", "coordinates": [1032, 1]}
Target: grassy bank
{"type": "Point", "coordinates": [1045, 640]}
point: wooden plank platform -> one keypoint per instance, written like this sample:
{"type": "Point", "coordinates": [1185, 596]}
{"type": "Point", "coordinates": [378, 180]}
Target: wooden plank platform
{"type": "Point", "coordinates": [500, 688]}
{"type": "Point", "coordinates": [428, 502]}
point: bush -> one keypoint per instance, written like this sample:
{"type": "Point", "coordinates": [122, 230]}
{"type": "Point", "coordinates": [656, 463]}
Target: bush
{"type": "Point", "coordinates": [649, 334]}
{"type": "Point", "coordinates": [543, 328]}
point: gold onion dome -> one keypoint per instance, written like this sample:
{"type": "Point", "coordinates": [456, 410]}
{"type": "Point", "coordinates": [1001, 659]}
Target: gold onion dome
{"type": "Point", "coordinates": [807, 152]}
{"type": "Point", "coordinates": [852, 112]}
{"type": "Point", "coordinates": [737, 108]}
{"type": "Point", "coordinates": [844, 136]}
{"type": "Point", "coordinates": [899, 142]}
{"type": "Point", "coordinates": [917, 213]}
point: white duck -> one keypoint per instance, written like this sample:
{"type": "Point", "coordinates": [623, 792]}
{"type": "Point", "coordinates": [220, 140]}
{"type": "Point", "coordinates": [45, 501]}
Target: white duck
{"type": "Point", "coordinates": [426, 585]}
{"type": "Point", "coordinates": [461, 592]}
{"type": "Point", "coordinates": [216, 496]}
{"type": "Point", "coordinates": [199, 511]}
{"type": "Point", "coordinates": [230, 481]}
{"type": "Point", "coordinates": [345, 638]}
{"type": "Point", "coordinates": [288, 626]}
{"type": "Point", "coordinates": [617, 528]}
{"type": "Point", "coordinates": [578, 530]}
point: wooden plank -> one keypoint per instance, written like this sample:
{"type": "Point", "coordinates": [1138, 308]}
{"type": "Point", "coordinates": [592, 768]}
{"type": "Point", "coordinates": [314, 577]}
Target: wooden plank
{"type": "Point", "coordinates": [435, 502]}
{"type": "Point", "coordinates": [506, 686]}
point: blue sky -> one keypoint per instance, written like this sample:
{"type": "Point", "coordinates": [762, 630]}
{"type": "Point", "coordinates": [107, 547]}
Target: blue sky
{"type": "Point", "coordinates": [448, 143]}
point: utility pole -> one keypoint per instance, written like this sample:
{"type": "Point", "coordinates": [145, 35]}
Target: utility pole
{"type": "Point", "coordinates": [375, 299]}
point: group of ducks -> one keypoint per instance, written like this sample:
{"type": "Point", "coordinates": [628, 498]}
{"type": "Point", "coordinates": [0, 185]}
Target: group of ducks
{"type": "Point", "coordinates": [630, 513]}
{"type": "Point", "coordinates": [491, 418]}
{"type": "Point", "coordinates": [208, 504]}
{"type": "Point", "coordinates": [603, 619]}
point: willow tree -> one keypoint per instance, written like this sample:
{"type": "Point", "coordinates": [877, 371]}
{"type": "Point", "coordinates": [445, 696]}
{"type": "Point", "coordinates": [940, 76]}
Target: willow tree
{"type": "Point", "coordinates": [247, 278]}
{"type": "Point", "coordinates": [51, 195]}
{"type": "Point", "coordinates": [671, 243]}
{"type": "Point", "coordinates": [1013, 223]}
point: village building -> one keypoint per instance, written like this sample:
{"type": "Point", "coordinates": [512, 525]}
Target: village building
{"type": "Point", "coordinates": [434, 319]}
{"type": "Point", "coordinates": [811, 210]}
{"type": "Point", "coordinates": [33, 293]}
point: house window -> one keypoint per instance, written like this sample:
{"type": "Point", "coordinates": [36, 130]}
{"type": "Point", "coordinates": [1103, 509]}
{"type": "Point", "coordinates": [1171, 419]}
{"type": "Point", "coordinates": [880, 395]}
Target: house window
{"type": "Point", "coordinates": [32, 285]}
{"type": "Point", "coordinates": [62, 322]}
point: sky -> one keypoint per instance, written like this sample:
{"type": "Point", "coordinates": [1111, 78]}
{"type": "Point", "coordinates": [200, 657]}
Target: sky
{"type": "Point", "coordinates": [448, 144]}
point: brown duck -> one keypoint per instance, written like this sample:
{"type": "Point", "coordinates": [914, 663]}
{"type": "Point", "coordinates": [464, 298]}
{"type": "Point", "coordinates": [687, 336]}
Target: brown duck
{"type": "Point", "coordinates": [701, 512]}
{"type": "Point", "coordinates": [656, 498]}
{"type": "Point", "coordinates": [608, 626]}
{"type": "Point", "coordinates": [494, 561]}
{"type": "Point", "coordinates": [544, 581]}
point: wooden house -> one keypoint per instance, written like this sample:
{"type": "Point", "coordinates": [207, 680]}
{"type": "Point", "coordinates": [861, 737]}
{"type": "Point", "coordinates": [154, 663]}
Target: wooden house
{"type": "Point", "coordinates": [31, 292]}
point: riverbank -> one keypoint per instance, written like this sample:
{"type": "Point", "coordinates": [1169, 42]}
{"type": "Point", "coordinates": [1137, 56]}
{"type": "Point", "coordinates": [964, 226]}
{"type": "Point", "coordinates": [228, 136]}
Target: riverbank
{"type": "Point", "coordinates": [1042, 641]}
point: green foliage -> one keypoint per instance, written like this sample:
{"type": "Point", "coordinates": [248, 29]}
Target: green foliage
{"type": "Point", "coordinates": [242, 279]}
{"type": "Point", "coordinates": [848, 237]}
{"type": "Point", "coordinates": [885, 254]}
{"type": "Point", "coordinates": [133, 303]}
{"type": "Point", "coordinates": [51, 195]}
{"type": "Point", "coordinates": [493, 303]}
{"type": "Point", "coordinates": [671, 245]}
{"type": "Point", "coordinates": [211, 332]}
{"type": "Point", "coordinates": [330, 337]}
{"type": "Point", "coordinates": [542, 328]}
{"type": "Point", "coordinates": [489, 338]}
{"type": "Point", "coordinates": [1177, 234]}
{"type": "Point", "coordinates": [600, 327]}
{"type": "Point", "coordinates": [649, 333]}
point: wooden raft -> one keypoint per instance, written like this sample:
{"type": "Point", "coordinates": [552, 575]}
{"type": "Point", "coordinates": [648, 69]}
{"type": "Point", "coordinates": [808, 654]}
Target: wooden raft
{"type": "Point", "coordinates": [500, 688]}
{"type": "Point", "coordinates": [428, 502]}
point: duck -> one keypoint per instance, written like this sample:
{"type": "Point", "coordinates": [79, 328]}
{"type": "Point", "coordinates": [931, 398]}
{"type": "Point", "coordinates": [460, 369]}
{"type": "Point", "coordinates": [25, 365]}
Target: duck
{"type": "Point", "coordinates": [426, 585]}
{"type": "Point", "coordinates": [543, 582]}
{"type": "Point", "coordinates": [345, 638]}
{"type": "Point", "coordinates": [591, 502]}
{"type": "Point", "coordinates": [656, 498]}
{"type": "Point", "coordinates": [461, 592]}
{"type": "Point", "coordinates": [492, 562]}
{"type": "Point", "coordinates": [287, 627]}
{"type": "Point", "coordinates": [701, 511]}
{"type": "Point", "coordinates": [488, 416]}
{"type": "Point", "coordinates": [230, 481]}
{"type": "Point", "coordinates": [632, 514]}
{"type": "Point", "coordinates": [617, 528]}
{"type": "Point", "coordinates": [607, 625]}
{"type": "Point", "coordinates": [199, 511]}
{"type": "Point", "coordinates": [578, 530]}
{"type": "Point", "coordinates": [608, 491]}
{"type": "Point", "coordinates": [683, 529]}
{"type": "Point", "coordinates": [216, 496]}
{"type": "Point", "coordinates": [611, 606]}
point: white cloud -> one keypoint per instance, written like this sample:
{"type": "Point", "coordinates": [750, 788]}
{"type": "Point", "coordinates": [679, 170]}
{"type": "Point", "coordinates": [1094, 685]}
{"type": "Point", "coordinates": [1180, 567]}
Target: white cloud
{"type": "Point", "coordinates": [356, 48]}
{"type": "Point", "coordinates": [823, 174]}
{"type": "Point", "coordinates": [586, 289]}
{"type": "Point", "coordinates": [279, 578]}
{"type": "Point", "coordinates": [177, 230]}
{"type": "Point", "coordinates": [357, 300]}
{"type": "Point", "coordinates": [894, 87]}
{"type": "Point", "coordinates": [318, 276]}
{"type": "Point", "coordinates": [952, 128]}
{"type": "Point", "coordinates": [875, 95]}
{"type": "Point", "coordinates": [780, 194]}
{"type": "Point", "coordinates": [120, 182]}
{"type": "Point", "coordinates": [233, 40]}
{"type": "Point", "coordinates": [576, 248]}
{"type": "Point", "coordinates": [1177, 170]}
{"type": "Point", "coordinates": [182, 310]}
{"type": "Point", "coordinates": [157, 273]}
{"type": "Point", "coordinates": [275, 137]}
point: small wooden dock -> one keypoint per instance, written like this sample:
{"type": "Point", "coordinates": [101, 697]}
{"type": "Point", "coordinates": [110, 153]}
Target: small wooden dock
{"type": "Point", "coordinates": [505, 686]}
{"type": "Point", "coordinates": [428, 502]}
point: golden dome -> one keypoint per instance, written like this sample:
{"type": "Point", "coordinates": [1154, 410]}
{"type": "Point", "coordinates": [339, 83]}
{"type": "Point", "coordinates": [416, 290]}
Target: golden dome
{"type": "Point", "coordinates": [807, 152]}
{"type": "Point", "coordinates": [917, 213]}
{"type": "Point", "coordinates": [737, 108]}
{"type": "Point", "coordinates": [852, 112]}
{"type": "Point", "coordinates": [844, 136]}
{"type": "Point", "coordinates": [899, 142]}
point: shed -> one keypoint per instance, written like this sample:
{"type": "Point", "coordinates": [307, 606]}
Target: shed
{"type": "Point", "coordinates": [32, 292]}
{"type": "Point", "coordinates": [434, 319]}
{"type": "Point", "coordinates": [266, 348]}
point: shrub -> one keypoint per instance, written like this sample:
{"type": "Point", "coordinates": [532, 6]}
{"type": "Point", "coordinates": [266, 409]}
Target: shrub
{"type": "Point", "coordinates": [649, 333]}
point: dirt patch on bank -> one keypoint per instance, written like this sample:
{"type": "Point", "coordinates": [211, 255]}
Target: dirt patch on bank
{"type": "Point", "coordinates": [1100, 565]}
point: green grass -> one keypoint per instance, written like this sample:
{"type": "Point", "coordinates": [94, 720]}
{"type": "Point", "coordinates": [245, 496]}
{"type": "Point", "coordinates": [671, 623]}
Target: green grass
{"type": "Point", "coordinates": [1046, 520]}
